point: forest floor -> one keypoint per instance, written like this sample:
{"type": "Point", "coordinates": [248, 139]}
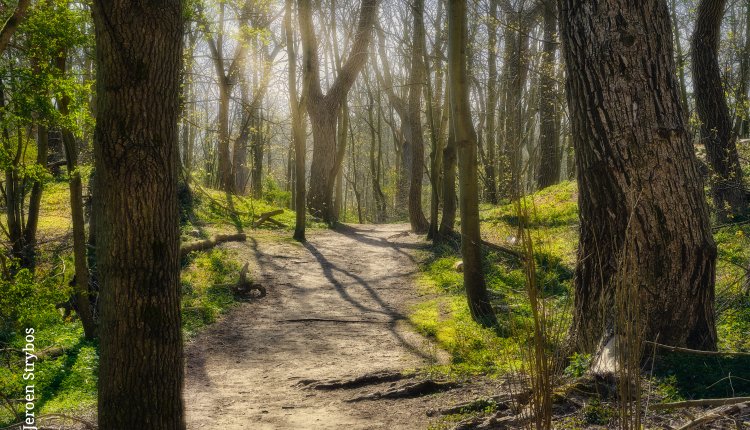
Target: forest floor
{"type": "Point", "coordinates": [336, 308]}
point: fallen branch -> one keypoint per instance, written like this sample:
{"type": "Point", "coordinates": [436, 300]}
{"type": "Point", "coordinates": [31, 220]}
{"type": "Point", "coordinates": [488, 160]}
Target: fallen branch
{"type": "Point", "coordinates": [698, 351]}
{"type": "Point", "coordinates": [210, 243]}
{"type": "Point", "coordinates": [267, 217]}
{"type": "Point", "coordinates": [700, 402]}
{"type": "Point", "coordinates": [413, 389]}
{"type": "Point", "coordinates": [716, 414]}
{"type": "Point", "coordinates": [504, 250]}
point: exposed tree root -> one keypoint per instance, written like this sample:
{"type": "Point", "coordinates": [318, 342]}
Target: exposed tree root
{"type": "Point", "coordinates": [409, 390]}
{"type": "Point", "coordinates": [357, 382]}
{"type": "Point", "coordinates": [497, 403]}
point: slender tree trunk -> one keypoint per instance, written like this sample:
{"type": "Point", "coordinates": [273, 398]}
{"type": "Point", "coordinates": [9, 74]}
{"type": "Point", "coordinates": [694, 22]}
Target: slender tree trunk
{"type": "Point", "coordinates": [139, 57]}
{"type": "Point", "coordinates": [417, 76]}
{"type": "Point", "coordinates": [80, 256]}
{"type": "Point", "coordinates": [224, 168]}
{"type": "Point", "coordinates": [375, 149]}
{"type": "Point", "coordinates": [549, 134]}
{"type": "Point", "coordinates": [490, 169]}
{"type": "Point", "coordinates": [28, 253]}
{"type": "Point", "coordinates": [448, 219]}
{"type": "Point", "coordinates": [299, 135]}
{"type": "Point", "coordinates": [679, 58]}
{"type": "Point", "coordinates": [644, 220]}
{"type": "Point", "coordinates": [727, 189]}
{"type": "Point", "coordinates": [465, 137]}
{"type": "Point", "coordinates": [742, 121]}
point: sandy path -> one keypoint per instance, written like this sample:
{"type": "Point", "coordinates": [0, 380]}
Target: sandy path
{"type": "Point", "coordinates": [335, 308]}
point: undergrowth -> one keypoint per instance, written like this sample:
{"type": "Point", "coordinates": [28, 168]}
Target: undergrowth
{"type": "Point", "coordinates": [553, 225]}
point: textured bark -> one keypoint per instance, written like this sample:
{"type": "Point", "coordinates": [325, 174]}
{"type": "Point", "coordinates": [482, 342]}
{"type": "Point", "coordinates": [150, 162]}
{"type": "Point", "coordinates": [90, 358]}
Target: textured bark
{"type": "Point", "coordinates": [466, 142]}
{"type": "Point", "coordinates": [549, 134]}
{"type": "Point", "coordinates": [716, 123]}
{"type": "Point", "coordinates": [643, 216]}
{"type": "Point", "coordinates": [324, 108]}
{"type": "Point", "coordinates": [139, 58]}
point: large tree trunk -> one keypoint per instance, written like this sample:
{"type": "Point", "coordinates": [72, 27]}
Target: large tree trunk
{"type": "Point", "coordinates": [549, 134]}
{"type": "Point", "coordinates": [466, 141]}
{"type": "Point", "coordinates": [644, 221]}
{"type": "Point", "coordinates": [727, 189]}
{"type": "Point", "coordinates": [139, 57]}
{"type": "Point", "coordinates": [324, 109]}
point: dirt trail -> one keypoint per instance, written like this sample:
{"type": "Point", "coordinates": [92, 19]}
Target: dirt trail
{"type": "Point", "coordinates": [335, 307]}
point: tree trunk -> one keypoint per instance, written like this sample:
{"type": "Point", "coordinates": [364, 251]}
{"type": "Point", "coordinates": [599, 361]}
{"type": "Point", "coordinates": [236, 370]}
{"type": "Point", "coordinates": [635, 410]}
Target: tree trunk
{"type": "Point", "coordinates": [644, 221]}
{"type": "Point", "coordinates": [299, 135]}
{"type": "Point", "coordinates": [727, 189]}
{"type": "Point", "coordinates": [490, 168]}
{"type": "Point", "coordinates": [139, 57]}
{"type": "Point", "coordinates": [28, 253]}
{"type": "Point", "coordinates": [416, 138]}
{"type": "Point", "coordinates": [465, 138]}
{"type": "Point", "coordinates": [549, 134]}
{"type": "Point", "coordinates": [324, 109]}
{"type": "Point", "coordinates": [80, 257]}
{"type": "Point", "coordinates": [448, 219]}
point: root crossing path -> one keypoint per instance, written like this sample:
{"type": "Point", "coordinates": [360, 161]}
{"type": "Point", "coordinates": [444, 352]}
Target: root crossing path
{"type": "Point", "coordinates": [336, 309]}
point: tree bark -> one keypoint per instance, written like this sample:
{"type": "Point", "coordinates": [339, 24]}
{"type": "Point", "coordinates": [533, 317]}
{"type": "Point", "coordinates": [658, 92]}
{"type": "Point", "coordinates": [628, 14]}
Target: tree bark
{"type": "Point", "coordinates": [727, 190]}
{"type": "Point", "coordinates": [644, 220]}
{"type": "Point", "coordinates": [139, 57]}
{"type": "Point", "coordinates": [465, 138]}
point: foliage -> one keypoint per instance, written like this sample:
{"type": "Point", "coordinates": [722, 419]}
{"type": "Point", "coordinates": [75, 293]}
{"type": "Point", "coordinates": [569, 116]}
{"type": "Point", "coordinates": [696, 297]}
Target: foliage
{"type": "Point", "coordinates": [578, 365]}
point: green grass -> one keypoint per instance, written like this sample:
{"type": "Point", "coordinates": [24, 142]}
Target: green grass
{"type": "Point", "coordinates": [445, 315]}
{"type": "Point", "coordinates": [220, 209]}
{"type": "Point", "coordinates": [206, 293]}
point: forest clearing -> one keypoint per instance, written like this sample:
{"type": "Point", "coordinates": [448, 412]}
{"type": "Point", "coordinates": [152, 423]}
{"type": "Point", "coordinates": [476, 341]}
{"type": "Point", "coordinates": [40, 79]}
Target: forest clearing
{"type": "Point", "coordinates": [374, 214]}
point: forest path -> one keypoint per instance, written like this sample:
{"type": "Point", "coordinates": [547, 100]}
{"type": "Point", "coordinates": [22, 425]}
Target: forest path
{"type": "Point", "coordinates": [336, 307]}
